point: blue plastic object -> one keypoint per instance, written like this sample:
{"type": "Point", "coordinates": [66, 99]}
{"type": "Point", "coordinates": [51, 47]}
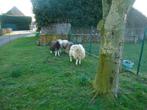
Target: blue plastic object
{"type": "Point", "coordinates": [127, 64]}
{"type": "Point", "coordinates": [37, 34]}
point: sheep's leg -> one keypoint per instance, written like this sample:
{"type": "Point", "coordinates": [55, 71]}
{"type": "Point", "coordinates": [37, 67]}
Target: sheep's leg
{"type": "Point", "coordinates": [77, 61]}
{"type": "Point", "coordinates": [55, 53]}
{"type": "Point", "coordinates": [58, 52]}
{"type": "Point", "coordinates": [70, 58]}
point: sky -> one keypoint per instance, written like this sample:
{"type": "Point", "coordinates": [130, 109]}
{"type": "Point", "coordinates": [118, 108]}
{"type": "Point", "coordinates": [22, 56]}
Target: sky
{"type": "Point", "coordinates": [141, 5]}
{"type": "Point", "coordinates": [25, 6]}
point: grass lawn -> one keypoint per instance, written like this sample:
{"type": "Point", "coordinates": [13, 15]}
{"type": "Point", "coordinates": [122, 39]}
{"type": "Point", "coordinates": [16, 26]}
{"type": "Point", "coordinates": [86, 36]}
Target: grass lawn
{"type": "Point", "coordinates": [33, 79]}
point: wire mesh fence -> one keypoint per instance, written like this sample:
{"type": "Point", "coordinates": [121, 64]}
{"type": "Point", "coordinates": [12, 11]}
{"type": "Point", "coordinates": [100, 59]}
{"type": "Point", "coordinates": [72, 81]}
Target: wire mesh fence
{"type": "Point", "coordinates": [131, 49]}
{"type": "Point", "coordinates": [89, 41]}
{"type": "Point", "coordinates": [133, 39]}
{"type": "Point", "coordinates": [137, 52]}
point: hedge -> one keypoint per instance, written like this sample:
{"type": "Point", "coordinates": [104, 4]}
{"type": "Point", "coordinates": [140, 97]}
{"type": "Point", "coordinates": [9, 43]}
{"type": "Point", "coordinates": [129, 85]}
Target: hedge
{"type": "Point", "coordinates": [15, 22]}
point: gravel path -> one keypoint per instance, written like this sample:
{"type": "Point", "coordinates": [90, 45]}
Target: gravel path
{"type": "Point", "coordinates": [7, 38]}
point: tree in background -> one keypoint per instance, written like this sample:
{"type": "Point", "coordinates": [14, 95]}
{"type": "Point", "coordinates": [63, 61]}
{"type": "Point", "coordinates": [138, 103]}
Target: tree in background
{"type": "Point", "coordinates": [80, 13]}
{"type": "Point", "coordinates": [112, 35]}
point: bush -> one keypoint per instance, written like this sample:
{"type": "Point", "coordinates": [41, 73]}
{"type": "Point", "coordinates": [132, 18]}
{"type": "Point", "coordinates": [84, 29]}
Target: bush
{"type": "Point", "coordinates": [80, 13]}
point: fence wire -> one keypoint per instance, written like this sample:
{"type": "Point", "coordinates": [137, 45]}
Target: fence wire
{"type": "Point", "coordinates": [131, 50]}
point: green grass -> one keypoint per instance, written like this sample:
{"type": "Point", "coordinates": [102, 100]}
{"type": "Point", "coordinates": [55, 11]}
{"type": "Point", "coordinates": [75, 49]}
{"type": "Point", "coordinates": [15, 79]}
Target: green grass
{"type": "Point", "coordinates": [33, 79]}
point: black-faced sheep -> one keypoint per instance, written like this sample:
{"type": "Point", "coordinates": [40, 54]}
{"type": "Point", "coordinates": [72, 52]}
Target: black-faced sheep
{"type": "Point", "coordinates": [55, 47]}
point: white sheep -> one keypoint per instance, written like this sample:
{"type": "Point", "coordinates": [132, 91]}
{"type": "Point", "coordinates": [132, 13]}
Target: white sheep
{"type": "Point", "coordinates": [77, 51]}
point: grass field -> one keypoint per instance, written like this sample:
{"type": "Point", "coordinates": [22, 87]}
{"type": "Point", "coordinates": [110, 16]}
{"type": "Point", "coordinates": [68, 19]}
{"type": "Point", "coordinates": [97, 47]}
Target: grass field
{"type": "Point", "coordinates": [33, 79]}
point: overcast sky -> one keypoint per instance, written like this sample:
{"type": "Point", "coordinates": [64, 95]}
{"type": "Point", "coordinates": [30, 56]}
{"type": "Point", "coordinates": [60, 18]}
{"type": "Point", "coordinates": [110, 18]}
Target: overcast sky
{"type": "Point", "coordinates": [25, 6]}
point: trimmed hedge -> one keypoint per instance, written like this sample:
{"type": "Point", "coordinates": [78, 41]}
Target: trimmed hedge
{"type": "Point", "coordinates": [15, 22]}
{"type": "Point", "coordinates": [80, 13]}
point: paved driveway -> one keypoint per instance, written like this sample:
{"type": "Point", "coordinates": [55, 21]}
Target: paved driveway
{"type": "Point", "coordinates": [16, 34]}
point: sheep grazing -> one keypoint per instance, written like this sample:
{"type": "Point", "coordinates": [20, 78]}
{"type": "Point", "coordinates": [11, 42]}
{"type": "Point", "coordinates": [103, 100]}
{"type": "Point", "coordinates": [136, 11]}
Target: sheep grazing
{"type": "Point", "coordinates": [65, 44]}
{"type": "Point", "coordinates": [67, 47]}
{"type": "Point", "coordinates": [55, 47]}
{"type": "Point", "coordinates": [77, 51]}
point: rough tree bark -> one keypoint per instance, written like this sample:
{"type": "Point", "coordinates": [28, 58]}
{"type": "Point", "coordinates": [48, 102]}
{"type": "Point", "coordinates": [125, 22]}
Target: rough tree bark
{"type": "Point", "coordinates": [112, 35]}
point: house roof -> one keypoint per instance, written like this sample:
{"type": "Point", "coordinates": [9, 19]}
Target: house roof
{"type": "Point", "coordinates": [136, 19]}
{"type": "Point", "coordinates": [14, 12]}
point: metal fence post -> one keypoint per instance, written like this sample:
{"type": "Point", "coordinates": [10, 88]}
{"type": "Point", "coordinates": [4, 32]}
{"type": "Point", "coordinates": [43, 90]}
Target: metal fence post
{"type": "Point", "coordinates": [69, 36]}
{"type": "Point", "coordinates": [76, 39]}
{"type": "Point", "coordinates": [90, 44]}
{"type": "Point", "coordinates": [141, 51]}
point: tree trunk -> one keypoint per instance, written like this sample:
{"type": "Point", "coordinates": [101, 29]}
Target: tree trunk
{"type": "Point", "coordinates": [112, 35]}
